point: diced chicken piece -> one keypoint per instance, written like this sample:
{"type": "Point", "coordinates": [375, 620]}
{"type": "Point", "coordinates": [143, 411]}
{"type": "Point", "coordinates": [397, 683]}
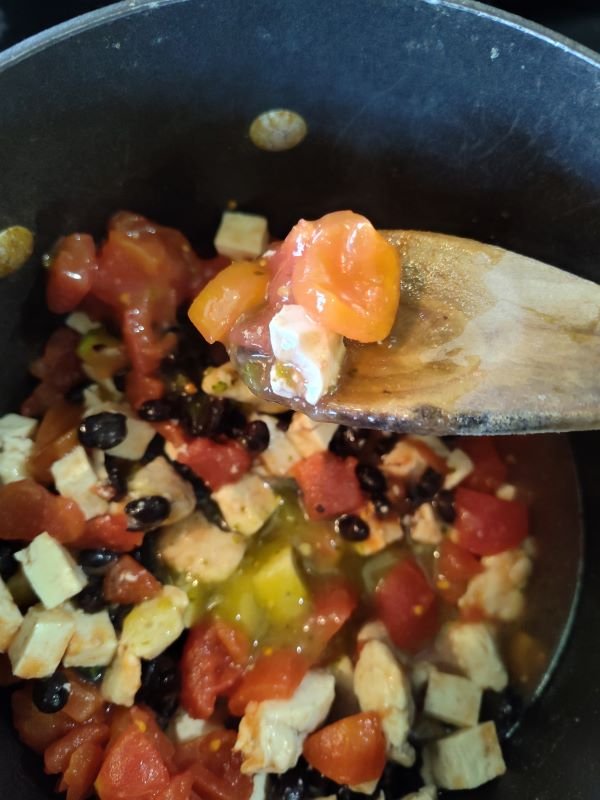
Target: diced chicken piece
{"type": "Point", "coordinates": [424, 793]}
{"type": "Point", "coordinates": [281, 455]}
{"type": "Point", "coordinates": [452, 699]}
{"type": "Point", "coordinates": [381, 685]}
{"type": "Point", "coordinates": [51, 570]}
{"type": "Point", "coordinates": [74, 477]}
{"type": "Point", "coordinates": [309, 356]}
{"type": "Point", "coordinates": [247, 504]}
{"type": "Point", "coordinates": [153, 625]}
{"type": "Point", "coordinates": [241, 236]}
{"type": "Point", "coordinates": [259, 786]}
{"type": "Point", "coordinates": [195, 546]}
{"type": "Point", "coordinates": [15, 446]}
{"type": "Point", "coordinates": [498, 590]}
{"type": "Point", "coordinates": [271, 733]}
{"type": "Point", "coordinates": [309, 437]}
{"type": "Point", "coordinates": [10, 617]}
{"type": "Point", "coordinates": [184, 728]}
{"type": "Point", "coordinates": [135, 444]}
{"type": "Point", "coordinates": [80, 322]}
{"type": "Point", "coordinates": [466, 759]}
{"type": "Point", "coordinates": [159, 478]}
{"type": "Point", "coordinates": [382, 532]}
{"type": "Point", "coordinates": [460, 466]}
{"type": "Point", "coordinates": [404, 461]}
{"type": "Point", "coordinates": [94, 642]}
{"type": "Point", "coordinates": [424, 525]}
{"type": "Point", "coordinates": [41, 641]}
{"type": "Point", "coordinates": [122, 679]}
{"type": "Point", "coordinates": [506, 492]}
{"type": "Point", "coordinates": [471, 648]}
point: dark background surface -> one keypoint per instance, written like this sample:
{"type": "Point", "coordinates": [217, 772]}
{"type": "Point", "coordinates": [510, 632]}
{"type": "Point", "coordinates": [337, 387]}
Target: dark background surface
{"type": "Point", "coordinates": [579, 19]}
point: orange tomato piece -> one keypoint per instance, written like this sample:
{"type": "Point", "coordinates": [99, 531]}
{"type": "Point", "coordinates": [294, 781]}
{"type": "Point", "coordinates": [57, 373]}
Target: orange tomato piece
{"type": "Point", "coordinates": [79, 776]}
{"type": "Point", "coordinates": [349, 751]}
{"type": "Point", "coordinates": [55, 437]}
{"type": "Point", "coordinates": [235, 290]}
{"type": "Point", "coordinates": [346, 275]}
{"type": "Point", "coordinates": [275, 676]}
{"type": "Point", "coordinates": [58, 755]}
{"type": "Point", "coordinates": [127, 581]}
{"type": "Point", "coordinates": [133, 767]}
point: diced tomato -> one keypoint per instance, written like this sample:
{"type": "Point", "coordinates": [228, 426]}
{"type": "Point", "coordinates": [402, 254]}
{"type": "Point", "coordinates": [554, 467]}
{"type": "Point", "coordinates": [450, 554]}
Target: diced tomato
{"type": "Point", "coordinates": [110, 531]}
{"type": "Point", "coordinates": [217, 463]}
{"type": "Point", "coordinates": [212, 663]}
{"type": "Point", "coordinates": [215, 767]}
{"type": "Point", "coordinates": [349, 751]}
{"type": "Point", "coordinates": [36, 729]}
{"type": "Point", "coordinates": [180, 788]}
{"type": "Point", "coordinates": [407, 605]}
{"type": "Point", "coordinates": [490, 471]}
{"type": "Point", "coordinates": [454, 568]}
{"type": "Point", "coordinates": [329, 485]}
{"type": "Point", "coordinates": [58, 754]}
{"type": "Point", "coordinates": [346, 275]}
{"type": "Point", "coordinates": [487, 525]}
{"type": "Point", "coordinates": [132, 768]}
{"type": "Point", "coordinates": [142, 719]}
{"type": "Point", "coordinates": [275, 676]}
{"type": "Point", "coordinates": [333, 605]}
{"type": "Point", "coordinates": [27, 509]}
{"type": "Point", "coordinates": [127, 581]}
{"type": "Point", "coordinates": [237, 289]}
{"type": "Point", "coordinates": [79, 777]}
{"type": "Point", "coordinates": [71, 273]}
{"type": "Point", "coordinates": [55, 437]}
{"type": "Point", "coordinates": [59, 370]}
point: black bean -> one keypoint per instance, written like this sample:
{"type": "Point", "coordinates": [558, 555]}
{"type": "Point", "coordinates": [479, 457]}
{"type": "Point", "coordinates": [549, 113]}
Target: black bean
{"type": "Point", "coordinates": [204, 501]}
{"type": "Point", "coordinates": [427, 488]}
{"type": "Point", "coordinates": [104, 430]}
{"type": "Point", "coordinates": [75, 393]}
{"type": "Point", "coordinates": [348, 441]}
{"type": "Point", "coordinates": [256, 436]}
{"type": "Point", "coordinates": [160, 686]}
{"type": "Point", "coordinates": [119, 379]}
{"type": "Point", "coordinates": [216, 354]}
{"type": "Point", "coordinates": [233, 422]}
{"type": "Point", "coordinates": [443, 503]}
{"type": "Point", "coordinates": [117, 469]}
{"type": "Point", "coordinates": [96, 562]}
{"type": "Point", "coordinates": [147, 511]}
{"type": "Point", "coordinates": [147, 554]}
{"type": "Point", "coordinates": [91, 598]}
{"type": "Point", "coordinates": [384, 441]}
{"type": "Point", "coordinates": [8, 563]}
{"type": "Point", "coordinates": [51, 694]}
{"type": "Point", "coordinates": [117, 614]}
{"type": "Point", "coordinates": [372, 480]}
{"type": "Point", "coordinates": [156, 410]}
{"type": "Point", "coordinates": [156, 448]}
{"type": "Point", "coordinates": [284, 420]}
{"type": "Point", "coordinates": [352, 528]}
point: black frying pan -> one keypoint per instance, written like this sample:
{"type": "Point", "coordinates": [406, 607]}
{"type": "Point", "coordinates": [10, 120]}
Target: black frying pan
{"type": "Point", "coordinates": [436, 115]}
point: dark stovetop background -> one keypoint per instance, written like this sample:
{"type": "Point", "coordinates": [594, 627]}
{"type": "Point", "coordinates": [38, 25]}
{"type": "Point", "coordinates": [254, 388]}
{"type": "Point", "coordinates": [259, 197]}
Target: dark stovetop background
{"type": "Point", "coordinates": [579, 19]}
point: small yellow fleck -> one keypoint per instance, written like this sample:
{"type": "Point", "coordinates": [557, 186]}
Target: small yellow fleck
{"type": "Point", "coordinates": [125, 298]}
{"type": "Point", "coordinates": [190, 388]}
{"type": "Point", "coordinates": [141, 725]}
{"type": "Point", "coordinates": [442, 583]}
{"type": "Point", "coordinates": [268, 651]}
{"type": "Point", "coordinates": [215, 745]}
{"type": "Point", "coordinates": [232, 205]}
{"type": "Point", "coordinates": [418, 610]}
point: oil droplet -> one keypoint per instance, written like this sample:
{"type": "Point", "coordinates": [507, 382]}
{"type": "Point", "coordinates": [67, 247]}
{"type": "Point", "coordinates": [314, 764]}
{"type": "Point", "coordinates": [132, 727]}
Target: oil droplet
{"type": "Point", "coordinates": [277, 130]}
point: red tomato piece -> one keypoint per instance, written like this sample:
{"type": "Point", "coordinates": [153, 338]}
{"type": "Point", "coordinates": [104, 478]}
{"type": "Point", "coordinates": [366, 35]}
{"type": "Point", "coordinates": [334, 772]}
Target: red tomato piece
{"type": "Point", "coordinates": [215, 767]}
{"type": "Point", "coordinates": [217, 463]}
{"type": "Point", "coordinates": [333, 605]}
{"type": "Point", "coordinates": [71, 273]}
{"type": "Point", "coordinates": [212, 663]}
{"type": "Point", "coordinates": [180, 788]}
{"type": "Point", "coordinates": [126, 581]}
{"type": "Point", "coordinates": [79, 776]}
{"type": "Point", "coordinates": [275, 676]}
{"type": "Point", "coordinates": [36, 729]}
{"type": "Point", "coordinates": [329, 485]}
{"type": "Point", "coordinates": [27, 509]}
{"type": "Point", "coordinates": [58, 755]}
{"type": "Point", "coordinates": [59, 369]}
{"type": "Point", "coordinates": [139, 388]}
{"type": "Point", "coordinates": [487, 525]}
{"type": "Point", "coordinates": [349, 751]}
{"type": "Point", "coordinates": [454, 568]}
{"type": "Point", "coordinates": [110, 531]}
{"type": "Point", "coordinates": [490, 471]}
{"type": "Point", "coordinates": [132, 768]}
{"type": "Point", "coordinates": [407, 605]}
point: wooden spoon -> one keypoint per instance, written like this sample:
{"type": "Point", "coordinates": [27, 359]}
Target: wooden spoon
{"type": "Point", "coordinates": [485, 341]}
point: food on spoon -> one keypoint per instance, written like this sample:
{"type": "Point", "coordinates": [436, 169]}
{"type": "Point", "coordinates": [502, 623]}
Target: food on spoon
{"type": "Point", "coordinates": [173, 552]}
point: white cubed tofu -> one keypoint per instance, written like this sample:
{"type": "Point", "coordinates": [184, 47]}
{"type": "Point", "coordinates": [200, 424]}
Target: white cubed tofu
{"type": "Point", "coordinates": [460, 466]}
{"type": "Point", "coordinates": [308, 436]}
{"type": "Point", "coordinates": [10, 617]}
{"type": "Point", "coordinates": [51, 570]}
{"type": "Point", "coordinates": [281, 455]}
{"type": "Point", "coordinates": [247, 504]}
{"type": "Point", "coordinates": [404, 461]}
{"type": "Point", "coordinates": [466, 759]}
{"type": "Point", "coordinates": [241, 236]}
{"type": "Point", "coordinates": [94, 641]}
{"type": "Point", "coordinates": [259, 786]}
{"type": "Point", "coordinates": [134, 445]}
{"type": "Point", "coordinates": [424, 525]}
{"type": "Point", "coordinates": [471, 648]}
{"type": "Point", "coordinates": [41, 641]}
{"type": "Point", "coordinates": [80, 322]}
{"type": "Point", "coordinates": [506, 492]}
{"type": "Point", "coordinates": [16, 426]}
{"type": "Point", "coordinates": [159, 478]}
{"type": "Point", "coordinates": [195, 546]}
{"type": "Point", "coordinates": [373, 630]}
{"type": "Point", "coordinates": [15, 446]}
{"type": "Point", "coordinates": [452, 699]}
{"type": "Point", "coordinates": [382, 532]}
{"type": "Point", "coordinates": [419, 674]}
{"type": "Point", "coordinates": [308, 355]}
{"type": "Point", "coordinates": [154, 624]}
{"type": "Point", "coordinates": [122, 679]}
{"type": "Point", "coordinates": [424, 793]}
{"type": "Point", "coordinates": [184, 728]}
{"type": "Point", "coordinates": [74, 477]}
{"type": "Point", "coordinates": [271, 733]}
{"type": "Point", "coordinates": [382, 685]}
{"type": "Point", "coordinates": [498, 590]}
